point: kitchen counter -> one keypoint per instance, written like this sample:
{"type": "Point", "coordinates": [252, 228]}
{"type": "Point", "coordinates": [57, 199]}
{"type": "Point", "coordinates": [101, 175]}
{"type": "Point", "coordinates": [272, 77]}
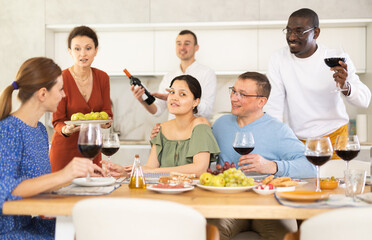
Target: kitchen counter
{"type": "Point", "coordinates": [134, 142]}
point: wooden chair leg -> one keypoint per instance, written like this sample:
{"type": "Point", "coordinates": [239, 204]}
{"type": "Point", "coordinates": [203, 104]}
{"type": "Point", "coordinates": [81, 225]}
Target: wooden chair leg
{"type": "Point", "coordinates": [292, 236]}
{"type": "Point", "coordinates": [212, 232]}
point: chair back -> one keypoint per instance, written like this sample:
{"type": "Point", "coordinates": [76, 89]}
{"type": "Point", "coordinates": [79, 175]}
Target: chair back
{"type": "Point", "coordinates": [337, 167]}
{"type": "Point", "coordinates": [340, 224]}
{"type": "Point", "coordinates": [136, 219]}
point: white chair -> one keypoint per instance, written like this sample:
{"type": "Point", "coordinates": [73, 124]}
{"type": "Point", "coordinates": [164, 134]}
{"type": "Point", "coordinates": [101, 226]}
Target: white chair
{"type": "Point", "coordinates": [337, 167]}
{"type": "Point", "coordinates": [340, 224]}
{"type": "Point", "coordinates": [137, 219]}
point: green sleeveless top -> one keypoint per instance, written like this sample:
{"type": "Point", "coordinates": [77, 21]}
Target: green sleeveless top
{"type": "Point", "coordinates": [173, 153]}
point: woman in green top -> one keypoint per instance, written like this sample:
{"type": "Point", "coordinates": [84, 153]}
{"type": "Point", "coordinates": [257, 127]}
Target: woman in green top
{"type": "Point", "coordinates": [185, 144]}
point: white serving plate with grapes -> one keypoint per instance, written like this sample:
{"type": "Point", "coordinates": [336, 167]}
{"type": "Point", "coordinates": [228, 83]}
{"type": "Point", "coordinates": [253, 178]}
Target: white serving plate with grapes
{"type": "Point", "coordinates": [97, 121]}
{"type": "Point", "coordinates": [226, 189]}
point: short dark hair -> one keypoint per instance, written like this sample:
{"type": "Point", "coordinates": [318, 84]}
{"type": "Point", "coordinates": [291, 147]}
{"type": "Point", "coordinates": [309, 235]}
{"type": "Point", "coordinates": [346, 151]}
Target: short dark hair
{"type": "Point", "coordinates": [307, 13]}
{"type": "Point", "coordinates": [193, 85]}
{"type": "Point", "coordinates": [82, 31]}
{"type": "Point", "coordinates": [263, 83]}
{"type": "Point", "coordinates": [184, 32]}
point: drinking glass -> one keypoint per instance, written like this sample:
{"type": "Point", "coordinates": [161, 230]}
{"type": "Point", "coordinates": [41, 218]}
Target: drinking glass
{"type": "Point", "coordinates": [90, 141]}
{"type": "Point", "coordinates": [318, 151]}
{"type": "Point", "coordinates": [355, 179]}
{"type": "Point", "coordinates": [347, 147]}
{"type": "Point", "coordinates": [332, 58]}
{"type": "Point", "coordinates": [243, 142]}
{"type": "Point", "coordinates": [110, 145]}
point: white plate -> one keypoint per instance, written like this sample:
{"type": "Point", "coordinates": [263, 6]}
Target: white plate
{"type": "Point", "coordinates": [98, 121]}
{"type": "Point", "coordinates": [94, 181]}
{"type": "Point", "coordinates": [170, 190]}
{"type": "Point", "coordinates": [226, 189]}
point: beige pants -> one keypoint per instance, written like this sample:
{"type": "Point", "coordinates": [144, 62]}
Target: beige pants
{"type": "Point", "coordinates": [267, 229]}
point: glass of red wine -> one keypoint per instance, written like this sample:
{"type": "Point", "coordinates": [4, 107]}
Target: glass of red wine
{"type": "Point", "coordinates": [243, 142]}
{"type": "Point", "coordinates": [318, 151]}
{"type": "Point", "coordinates": [347, 147]}
{"type": "Point", "coordinates": [90, 141]}
{"type": "Point", "coordinates": [332, 57]}
{"type": "Point", "coordinates": [110, 145]}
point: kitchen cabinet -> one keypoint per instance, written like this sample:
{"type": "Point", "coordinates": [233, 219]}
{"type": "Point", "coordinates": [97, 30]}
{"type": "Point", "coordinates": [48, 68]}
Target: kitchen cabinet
{"type": "Point", "coordinates": [227, 47]}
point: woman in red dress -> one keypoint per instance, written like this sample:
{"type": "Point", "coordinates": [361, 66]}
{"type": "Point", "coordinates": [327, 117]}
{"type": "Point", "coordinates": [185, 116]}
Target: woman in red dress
{"type": "Point", "coordinates": [87, 90]}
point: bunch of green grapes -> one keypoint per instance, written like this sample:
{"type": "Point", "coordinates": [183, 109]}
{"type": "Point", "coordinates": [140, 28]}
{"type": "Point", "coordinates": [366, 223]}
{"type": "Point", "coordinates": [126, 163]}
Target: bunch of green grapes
{"type": "Point", "coordinates": [236, 178]}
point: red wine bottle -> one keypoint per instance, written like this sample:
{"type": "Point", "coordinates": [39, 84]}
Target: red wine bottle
{"type": "Point", "coordinates": [147, 97]}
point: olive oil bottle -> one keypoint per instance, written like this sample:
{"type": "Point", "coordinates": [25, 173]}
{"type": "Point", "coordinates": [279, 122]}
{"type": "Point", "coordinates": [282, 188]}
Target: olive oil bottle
{"type": "Point", "coordinates": [137, 180]}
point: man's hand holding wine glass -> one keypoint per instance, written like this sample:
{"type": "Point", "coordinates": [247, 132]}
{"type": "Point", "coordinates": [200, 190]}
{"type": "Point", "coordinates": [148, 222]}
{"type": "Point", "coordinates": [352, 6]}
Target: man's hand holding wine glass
{"type": "Point", "coordinates": [257, 163]}
{"type": "Point", "coordinates": [340, 75]}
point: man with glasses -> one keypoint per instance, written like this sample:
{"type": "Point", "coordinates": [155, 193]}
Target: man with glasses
{"type": "Point", "coordinates": [276, 150]}
{"type": "Point", "coordinates": [303, 86]}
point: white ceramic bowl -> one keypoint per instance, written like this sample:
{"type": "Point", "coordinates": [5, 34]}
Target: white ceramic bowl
{"type": "Point", "coordinates": [263, 191]}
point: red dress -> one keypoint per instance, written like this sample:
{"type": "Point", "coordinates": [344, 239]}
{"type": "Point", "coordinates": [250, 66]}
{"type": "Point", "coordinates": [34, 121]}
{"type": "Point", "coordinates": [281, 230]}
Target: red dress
{"type": "Point", "coordinates": [64, 149]}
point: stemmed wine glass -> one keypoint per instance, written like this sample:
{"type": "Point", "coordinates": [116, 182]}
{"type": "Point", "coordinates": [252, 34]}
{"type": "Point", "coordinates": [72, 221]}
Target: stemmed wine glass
{"type": "Point", "coordinates": [332, 58]}
{"type": "Point", "coordinates": [243, 142]}
{"type": "Point", "coordinates": [90, 141]}
{"type": "Point", "coordinates": [318, 151]}
{"type": "Point", "coordinates": [347, 147]}
{"type": "Point", "coordinates": [110, 145]}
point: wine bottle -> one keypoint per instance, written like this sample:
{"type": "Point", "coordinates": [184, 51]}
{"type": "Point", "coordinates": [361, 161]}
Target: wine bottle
{"type": "Point", "coordinates": [147, 97]}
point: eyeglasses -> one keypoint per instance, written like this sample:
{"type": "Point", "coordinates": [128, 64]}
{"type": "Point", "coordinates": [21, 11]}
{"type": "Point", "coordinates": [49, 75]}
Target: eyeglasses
{"type": "Point", "coordinates": [298, 33]}
{"type": "Point", "coordinates": [241, 95]}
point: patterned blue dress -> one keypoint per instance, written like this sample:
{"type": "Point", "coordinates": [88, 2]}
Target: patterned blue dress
{"type": "Point", "coordinates": [23, 155]}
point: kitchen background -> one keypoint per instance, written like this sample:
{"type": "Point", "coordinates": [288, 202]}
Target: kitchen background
{"type": "Point", "coordinates": [234, 36]}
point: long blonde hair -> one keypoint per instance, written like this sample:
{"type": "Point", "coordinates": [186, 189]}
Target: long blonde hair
{"type": "Point", "coordinates": [34, 74]}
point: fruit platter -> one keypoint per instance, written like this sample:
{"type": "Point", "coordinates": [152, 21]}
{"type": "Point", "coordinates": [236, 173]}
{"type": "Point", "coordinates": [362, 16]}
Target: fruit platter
{"type": "Point", "coordinates": [92, 117]}
{"type": "Point", "coordinates": [226, 179]}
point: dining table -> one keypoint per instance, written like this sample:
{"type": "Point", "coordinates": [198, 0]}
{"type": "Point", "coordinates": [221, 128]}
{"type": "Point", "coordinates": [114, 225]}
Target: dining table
{"type": "Point", "coordinates": [246, 204]}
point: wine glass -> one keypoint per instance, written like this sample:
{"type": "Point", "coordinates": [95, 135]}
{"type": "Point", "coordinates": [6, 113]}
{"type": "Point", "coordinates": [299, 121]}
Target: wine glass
{"type": "Point", "coordinates": [347, 147]}
{"type": "Point", "coordinates": [243, 142]}
{"type": "Point", "coordinates": [90, 141]}
{"type": "Point", "coordinates": [110, 145]}
{"type": "Point", "coordinates": [332, 58]}
{"type": "Point", "coordinates": [318, 151]}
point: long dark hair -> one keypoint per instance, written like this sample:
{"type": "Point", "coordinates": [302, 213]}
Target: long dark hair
{"type": "Point", "coordinates": [193, 85]}
{"type": "Point", "coordinates": [34, 73]}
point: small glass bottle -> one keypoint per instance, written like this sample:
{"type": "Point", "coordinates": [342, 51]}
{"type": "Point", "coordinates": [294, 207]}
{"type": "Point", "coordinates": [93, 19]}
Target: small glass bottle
{"type": "Point", "coordinates": [137, 180]}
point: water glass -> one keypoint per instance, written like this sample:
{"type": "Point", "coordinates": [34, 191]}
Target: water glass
{"type": "Point", "coordinates": [355, 179]}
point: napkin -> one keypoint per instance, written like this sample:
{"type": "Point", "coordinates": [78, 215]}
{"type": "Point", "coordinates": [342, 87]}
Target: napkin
{"type": "Point", "coordinates": [334, 201]}
{"type": "Point", "coordinates": [74, 189]}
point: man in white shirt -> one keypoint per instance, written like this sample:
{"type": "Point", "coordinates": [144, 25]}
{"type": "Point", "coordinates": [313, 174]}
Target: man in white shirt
{"type": "Point", "coordinates": [303, 85]}
{"type": "Point", "coordinates": [186, 47]}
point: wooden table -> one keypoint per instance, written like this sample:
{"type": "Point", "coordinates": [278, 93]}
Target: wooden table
{"type": "Point", "coordinates": [211, 205]}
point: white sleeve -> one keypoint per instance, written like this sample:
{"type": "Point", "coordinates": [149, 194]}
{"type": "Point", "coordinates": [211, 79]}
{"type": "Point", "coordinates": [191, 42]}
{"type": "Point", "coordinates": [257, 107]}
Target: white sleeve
{"type": "Point", "coordinates": [161, 105]}
{"type": "Point", "coordinates": [209, 86]}
{"type": "Point", "coordinates": [360, 95]}
{"type": "Point", "coordinates": [276, 102]}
